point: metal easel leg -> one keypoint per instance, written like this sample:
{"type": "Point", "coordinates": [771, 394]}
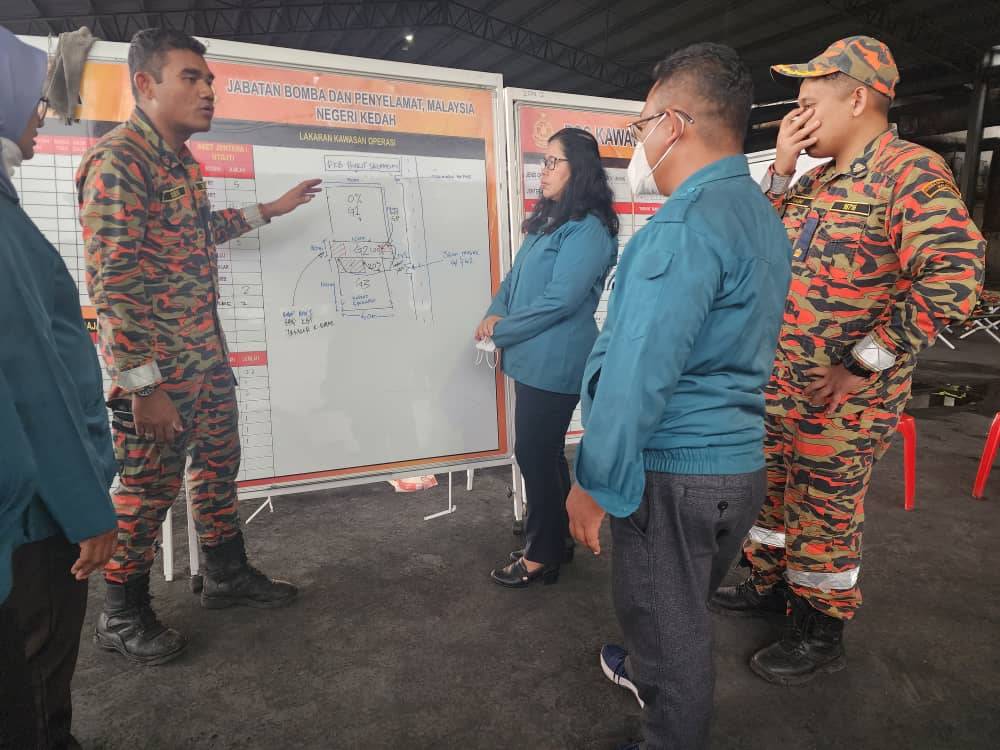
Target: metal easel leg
{"type": "Point", "coordinates": [193, 543]}
{"type": "Point", "coordinates": [194, 548]}
{"type": "Point", "coordinates": [167, 544]}
{"type": "Point", "coordinates": [518, 494]}
{"type": "Point", "coordinates": [451, 503]}
{"type": "Point", "coordinates": [269, 504]}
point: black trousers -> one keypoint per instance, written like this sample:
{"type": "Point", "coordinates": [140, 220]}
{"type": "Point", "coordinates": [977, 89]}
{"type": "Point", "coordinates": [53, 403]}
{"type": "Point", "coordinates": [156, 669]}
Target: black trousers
{"type": "Point", "coordinates": [541, 419]}
{"type": "Point", "coordinates": [41, 622]}
{"type": "Point", "coordinates": [667, 559]}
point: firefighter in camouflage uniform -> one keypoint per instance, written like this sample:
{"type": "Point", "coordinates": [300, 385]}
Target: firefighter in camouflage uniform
{"type": "Point", "coordinates": [884, 256]}
{"type": "Point", "coordinates": [150, 237]}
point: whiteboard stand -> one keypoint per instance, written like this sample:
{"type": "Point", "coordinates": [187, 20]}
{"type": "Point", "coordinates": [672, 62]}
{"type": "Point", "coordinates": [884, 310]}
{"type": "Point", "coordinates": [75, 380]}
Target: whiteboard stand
{"type": "Point", "coordinates": [517, 492]}
{"type": "Point", "coordinates": [167, 544]}
{"type": "Point", "coordinates": [193, 544]}
{"type": "Point", "coordinates": [266, 504]}
{"type": "Point", "coordinates": [167, 541]}
{"type": "Point", "coordinates": [451, 504]}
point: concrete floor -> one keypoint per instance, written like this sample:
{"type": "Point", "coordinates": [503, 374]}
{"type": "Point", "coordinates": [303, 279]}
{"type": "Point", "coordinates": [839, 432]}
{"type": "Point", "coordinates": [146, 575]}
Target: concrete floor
{"type": "Point", "coordinates": [401, 641]}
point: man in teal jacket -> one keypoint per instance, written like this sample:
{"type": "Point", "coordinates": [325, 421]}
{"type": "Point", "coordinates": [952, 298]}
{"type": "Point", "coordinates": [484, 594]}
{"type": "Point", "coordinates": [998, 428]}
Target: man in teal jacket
{"type": "Point", "coordinates": [673, 400]}
{"type": "Point", "coordinates": [57, 524]}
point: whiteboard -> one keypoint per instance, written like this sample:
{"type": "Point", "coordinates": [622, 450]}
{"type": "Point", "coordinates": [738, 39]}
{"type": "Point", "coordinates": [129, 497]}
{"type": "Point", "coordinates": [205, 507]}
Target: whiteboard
{"type": "Point", "coordinates": [533, 116]}
{"type": "Point", "coordinates": [349, 322]}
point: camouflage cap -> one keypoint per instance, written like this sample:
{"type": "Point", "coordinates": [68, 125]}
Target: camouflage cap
{"type": "Point", "coordinates": [861, 57]}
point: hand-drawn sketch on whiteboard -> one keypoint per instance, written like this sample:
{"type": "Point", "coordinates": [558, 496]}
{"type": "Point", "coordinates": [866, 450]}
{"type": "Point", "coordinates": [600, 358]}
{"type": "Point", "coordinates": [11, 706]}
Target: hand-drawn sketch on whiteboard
{"type": "Point", "coordinates": [372, 256]}
{"type": "Point", "coordinates": [375, 286]}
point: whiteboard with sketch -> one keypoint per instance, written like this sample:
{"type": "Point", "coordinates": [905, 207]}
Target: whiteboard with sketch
{"type": "Point", "coordinates": [376, 289]}
{"type": "Point", "coordinates": [349, 322]}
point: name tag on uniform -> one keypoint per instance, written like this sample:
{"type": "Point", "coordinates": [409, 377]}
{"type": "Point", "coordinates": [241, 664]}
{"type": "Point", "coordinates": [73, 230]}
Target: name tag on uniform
{"type": "Point", "coordinates": [798, 200]}
{"type": "Point", "coordinates": [200, 186]}
{"type": "Point", "coordinates": [846, 207]}
{"type": "Point", "coordinates": [173, 194]}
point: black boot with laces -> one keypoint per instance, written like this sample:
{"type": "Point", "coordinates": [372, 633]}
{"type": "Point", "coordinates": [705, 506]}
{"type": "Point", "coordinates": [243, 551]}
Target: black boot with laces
{"type": "Point", "coordinates": [129, 625]}
{"type": "Point", "coordinates": [743, 600]}
{"type": "Point", "coordinates": [230, 580]}
{"type": "Point", "coordinates": [812, 644]}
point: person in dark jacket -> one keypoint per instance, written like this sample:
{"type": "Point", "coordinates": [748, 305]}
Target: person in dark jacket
{"type": "Point", "coordinates": [542, 318]}
{"type": "Point", "coordinates": [57, 524]}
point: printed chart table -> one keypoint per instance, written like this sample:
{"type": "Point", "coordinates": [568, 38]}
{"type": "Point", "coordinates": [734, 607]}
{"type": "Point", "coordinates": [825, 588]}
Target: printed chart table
{"type": "Point", "coordinates": [47, 189]}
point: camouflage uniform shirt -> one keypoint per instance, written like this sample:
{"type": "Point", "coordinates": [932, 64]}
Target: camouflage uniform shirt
{"type": "Point", "coordinates": [886, 249]}
{"type": "Point", "coordinates": [149, 235]}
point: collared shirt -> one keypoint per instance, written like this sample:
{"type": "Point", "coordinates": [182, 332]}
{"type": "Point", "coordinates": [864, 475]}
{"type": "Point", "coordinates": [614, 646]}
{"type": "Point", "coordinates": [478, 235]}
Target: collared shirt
{"type": "Point", "coordinates": [547, 303]}
{"type": "Point", "coordinates": [150, 235]}
{"type": "Point", "coordinates": [675, 381]}
{"type": "Point", "coordinates": [885, 249]}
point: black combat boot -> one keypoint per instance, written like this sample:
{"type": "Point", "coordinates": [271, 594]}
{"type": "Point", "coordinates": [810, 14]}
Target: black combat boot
{"type": "Point", "coordinates": [742, 600]}
{"type": "Point", "coordinates": [129, 625]}
{"type": "Point", "coordinates": [813, 644]}
{"type": "Point", "coordinates": [230, 580]}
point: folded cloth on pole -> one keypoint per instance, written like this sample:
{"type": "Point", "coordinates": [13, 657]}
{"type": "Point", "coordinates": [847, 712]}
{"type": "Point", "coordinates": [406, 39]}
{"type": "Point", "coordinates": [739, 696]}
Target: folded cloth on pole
{"type": "Point", "coordinates": [63, 84]}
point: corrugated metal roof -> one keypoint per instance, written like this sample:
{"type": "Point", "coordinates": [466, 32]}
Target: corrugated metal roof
{"type": "Point", "coordinates": [598, 48]}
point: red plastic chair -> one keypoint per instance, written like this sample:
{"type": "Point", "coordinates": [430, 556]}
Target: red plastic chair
{"type": "Point", "coordinates": [986, 462]}
{"type": "Point", "coordinates": [908, 429]}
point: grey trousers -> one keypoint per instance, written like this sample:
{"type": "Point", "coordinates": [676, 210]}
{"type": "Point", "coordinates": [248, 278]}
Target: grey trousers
{"type": "Point", "coordinates": [668, 558]}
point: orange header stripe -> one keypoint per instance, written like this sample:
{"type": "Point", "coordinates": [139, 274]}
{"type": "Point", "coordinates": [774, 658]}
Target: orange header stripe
{"type": "Point", "coordinates": [538, 123]}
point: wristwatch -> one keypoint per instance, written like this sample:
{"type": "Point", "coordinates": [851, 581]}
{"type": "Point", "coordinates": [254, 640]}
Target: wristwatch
{"type": "Point", "coordinates": [147, 390]}
{"type": "Point", "coordinates": [774, 183]}
{"type": "Point", "coordinates": [856, 368]}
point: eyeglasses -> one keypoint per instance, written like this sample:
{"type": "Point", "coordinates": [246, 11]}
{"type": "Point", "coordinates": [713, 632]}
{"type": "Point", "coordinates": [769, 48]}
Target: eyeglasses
{"type": "Point", "coordinates": [43, 108]}
{"type": "Point", "coordinates": [635, 129]}
{"type": "Point", "coordinates": [551, 162]}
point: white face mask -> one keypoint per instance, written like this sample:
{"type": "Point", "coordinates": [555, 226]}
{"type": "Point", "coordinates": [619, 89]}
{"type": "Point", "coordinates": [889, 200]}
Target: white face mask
{"type": "Point", "coordinates": [10, 156]}
{"type": "Point", "coordinates": [640, 173]}
{"type": "Point", "coordinates": [486, 351]}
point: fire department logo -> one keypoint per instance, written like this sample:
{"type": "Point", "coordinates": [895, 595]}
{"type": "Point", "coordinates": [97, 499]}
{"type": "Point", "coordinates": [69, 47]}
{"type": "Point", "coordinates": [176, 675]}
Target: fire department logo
{"type": "Point", "coordinates": [542, 131]}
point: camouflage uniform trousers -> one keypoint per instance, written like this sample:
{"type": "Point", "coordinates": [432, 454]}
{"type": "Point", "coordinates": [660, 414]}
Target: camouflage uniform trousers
{"type": "Point", "coordinates": [810, 527]}
{"type": "Point", "coordinates": [151, 473]}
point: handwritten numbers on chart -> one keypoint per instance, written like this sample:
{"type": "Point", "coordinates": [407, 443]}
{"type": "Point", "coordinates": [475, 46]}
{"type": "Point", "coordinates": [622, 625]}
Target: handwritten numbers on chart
{"type": "Point", "coordinates": [354, 201]}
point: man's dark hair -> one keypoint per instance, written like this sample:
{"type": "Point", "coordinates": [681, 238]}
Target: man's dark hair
{"type": "Point", "coordinates": [148, 50]}
{"type": "Point", "coordinates": [587, 192]}
{"type": "Point", "coordinates": [718, 76]}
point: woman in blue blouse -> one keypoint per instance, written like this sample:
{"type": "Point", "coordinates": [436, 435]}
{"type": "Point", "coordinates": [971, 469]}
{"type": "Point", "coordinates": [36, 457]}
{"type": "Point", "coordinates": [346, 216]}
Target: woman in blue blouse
{"type": "Point", "coordinates": [542, 318]}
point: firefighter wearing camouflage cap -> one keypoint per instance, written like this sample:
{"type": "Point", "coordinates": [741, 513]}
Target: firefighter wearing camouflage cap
{"type": "Point", "coordinates": [884, 257]}
{"type": "Point", "coordinates": [862, 58]}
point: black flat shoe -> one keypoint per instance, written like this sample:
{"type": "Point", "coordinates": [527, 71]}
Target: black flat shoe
{"type": "Point", "coordinates": [516, 576]}
{"type": "Point", "coordinates": [519, 553]}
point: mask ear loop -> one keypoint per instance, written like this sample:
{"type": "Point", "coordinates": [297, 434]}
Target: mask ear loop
{"type": "Point", "coordinates": [490, 358]}
{"type": "Point", "coordinates": [670, 148]}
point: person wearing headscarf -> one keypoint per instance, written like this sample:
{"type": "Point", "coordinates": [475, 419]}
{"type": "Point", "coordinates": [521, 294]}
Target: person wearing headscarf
{"type": "Point", "coordinates": [57, 524]}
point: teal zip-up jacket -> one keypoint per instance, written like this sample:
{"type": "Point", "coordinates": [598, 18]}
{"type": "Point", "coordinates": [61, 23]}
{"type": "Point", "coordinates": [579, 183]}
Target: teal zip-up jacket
{"type": "Point", "coordinates": [547, 303]}
{"type": "Point", "coordinates": [675, 381]}
{"type": "Point", "coordinates": [17, 482]}
{"type": "Point", "coordinates": [55, 423]}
